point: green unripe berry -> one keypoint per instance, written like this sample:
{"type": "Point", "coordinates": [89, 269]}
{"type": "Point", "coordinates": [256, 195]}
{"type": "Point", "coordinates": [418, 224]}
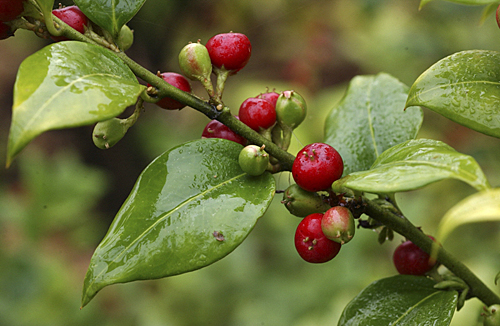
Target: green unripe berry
{"type": "Point", "coordinates": [195, 63]}
{"type": "Point", "coordinates": [291, 109]}
{"type": "Point", "coordinates": [107, 133]}
{"type": "Point", "coordinates": [253, 160]}
{"type": "Point", "coordinates": [492, 315]}
{"type": "Point", "coordinates": [125, 38]}
{"type": "Point", "coordinates": [338, 224]}
{"type": "Point", "coordinates": [302, 203]}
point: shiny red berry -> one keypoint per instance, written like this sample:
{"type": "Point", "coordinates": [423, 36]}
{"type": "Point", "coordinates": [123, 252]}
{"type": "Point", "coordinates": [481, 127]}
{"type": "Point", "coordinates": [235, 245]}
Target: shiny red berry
{"type": "Point", "coordinates": [311, 243]}
{"type": "Point", "coordinates": [317, 166]}
{"type": "Point", "coordinates": [229, 51]}
{"type": "Point", "coordinates": [10, 9]}
{"type": "Point", "coordinates": [271, 97]}
{"type": "Point", "coordinates": [411, 260]}
{"type": "Point", "coordinates": [216, 129]}
{"type": "Point", "coordinates": [178, 81]}
{"type": "Point", "coordinates": [257, 113]}
{"type": "Point", "coordinates": [74, 17]}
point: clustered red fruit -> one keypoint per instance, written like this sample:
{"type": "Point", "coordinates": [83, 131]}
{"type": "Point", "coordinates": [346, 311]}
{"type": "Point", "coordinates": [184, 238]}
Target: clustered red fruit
{"type": "Point", "coordinates": [178, 81]}
{"type": "Point", "coordinates": [10, 9]}
{"type": "Point", "coordinates": [229, 51]}
{"type": "Point", "coordinates": [74, 17]}
{"type": "Point", "coordinates": [311, 244]}
{"type": "Point", "coordinates": [317, 166]}
{"type": "Point", "coordinates": [411, 260]}
{"type": "Point", "coordinates": [257, 113]}
{"type": "Point", "coordinates": [216, 129]}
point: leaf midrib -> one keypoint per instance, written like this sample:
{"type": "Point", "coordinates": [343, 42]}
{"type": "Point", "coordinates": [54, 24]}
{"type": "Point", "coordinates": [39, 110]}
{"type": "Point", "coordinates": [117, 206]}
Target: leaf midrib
{"type": "Point", "coordinates": [412, 98]}
{"type": "Point", "coordinates": [161, 218]}
{"type": "Point", "coordinates": [56, 94]}
{"type": "Point", "coordinates": [407, 312]}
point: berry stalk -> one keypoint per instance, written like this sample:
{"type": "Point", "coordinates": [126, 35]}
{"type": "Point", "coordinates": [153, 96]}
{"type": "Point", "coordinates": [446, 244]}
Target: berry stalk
{"type": "Point", "coordinates": [404, 227]}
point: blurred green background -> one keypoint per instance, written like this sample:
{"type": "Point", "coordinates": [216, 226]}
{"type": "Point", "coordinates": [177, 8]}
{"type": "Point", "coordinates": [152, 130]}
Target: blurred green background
{"type": "Point", "coordinates": [61, 193]}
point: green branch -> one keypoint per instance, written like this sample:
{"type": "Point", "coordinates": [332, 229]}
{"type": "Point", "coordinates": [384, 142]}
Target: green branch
{"type": "Point", "coordinates": [404, 227]}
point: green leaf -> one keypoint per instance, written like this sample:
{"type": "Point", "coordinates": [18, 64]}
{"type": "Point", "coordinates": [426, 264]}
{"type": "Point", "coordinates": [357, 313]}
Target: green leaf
{"type": "Point", "coordinates": [483, 206]}
{"type": "Point", "coordinates": [111, 15]}
{"type": "Point", "coordinates": [68, 84]}
{"type": "Point", "coordinates": [463, 2]}
{"type": "Point", "coordinates": [370, 119]}
{"type": "Point", "coordinates": [465, 88]}
{"type": "Point", "coordinates": [414, 164]}
{"type": "Point", "coordinates": [400, 300]}
{"type": "Point", "coordinates": [181, 207]}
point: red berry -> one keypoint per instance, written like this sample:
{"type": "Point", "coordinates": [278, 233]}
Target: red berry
{"type": "Point", "coordinates": [5, 31]}
{"type": "Point", "coordinates": [229, 51]}
{"type": "Point", "coordinates": [72, 16]}
{"type": "Point", "coordinates": [10, 9]}
{"type": "Point", "coordinates": [411, 260]}
{"type": "Point", "coordinates": [317, 166]}
{"type": "Point", "coordinates": [257, 113]}
{"type": "Point", "coordinates": [178, 81]}
{"type": "Point", "coordinates": [216, 129]}
{"type": "Point", "coordinates": [271, 97]}
{"type": "Point", "coordinates": [311, 243]}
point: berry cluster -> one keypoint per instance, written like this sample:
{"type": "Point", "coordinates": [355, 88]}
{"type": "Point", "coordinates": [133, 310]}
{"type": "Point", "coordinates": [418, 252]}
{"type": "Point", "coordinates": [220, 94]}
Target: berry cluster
{"type": "Point", "coordinates": [319, 237]}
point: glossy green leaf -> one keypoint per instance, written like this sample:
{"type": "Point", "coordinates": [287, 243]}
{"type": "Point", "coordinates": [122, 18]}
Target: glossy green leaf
{"type": "Point", "coordinates": [190, 207]}
{"type": "Point", "coordinates": [402, 300]}
{"type": "Point", "coordinates": [463, 2]}
{"type": "Point", "coordinates": [370, 119]}
{"type": "Point", "coordinates": [465, 88]}
{"type": "Point", "coordinates": [483, 206]}
{"type": "Point", "coordinates": [68, 84]}
{"type": "Point", "coordinates": [111, 15]}
{"type": "Point", "coordinates": [414, 164]}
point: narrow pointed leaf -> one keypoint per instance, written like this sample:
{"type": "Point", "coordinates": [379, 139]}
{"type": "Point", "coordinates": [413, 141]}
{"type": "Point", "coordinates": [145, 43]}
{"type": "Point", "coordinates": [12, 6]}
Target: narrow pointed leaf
{"type": "Point", "coordinates": [370, 119]}
{"type": "Point", "coordinates": [65, 85]}
{"type": "Point", "coordinates": [415, 164]}
{"type": "Point", "coordinates": [402, 300]}
{"type": "Point", "coordinates": [190, 207]}
{"type": "Point", "coordinates": [111, 15]}
{"type": "Point", "coordinates": [480, 207]}
{"type": "Point", "coordinates": [465, 88]}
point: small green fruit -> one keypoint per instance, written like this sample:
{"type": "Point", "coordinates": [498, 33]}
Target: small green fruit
{"type": "Point", "coordinates": [302, 203]}
{"type": "Point", "coordinates": [125, 38]}
{"type": "Point", "coordinates": [492, 315]}
{"type": "Point", "coordinates": [291, 109]}
{"type": "Point", "coordinates": [253, 160]}
{"type": "Point", "coordinates": [338, 224]}
{"type": "Point", "coordinates": [195, 63]}
{"type": "Point", "coordinates": [107, 133]}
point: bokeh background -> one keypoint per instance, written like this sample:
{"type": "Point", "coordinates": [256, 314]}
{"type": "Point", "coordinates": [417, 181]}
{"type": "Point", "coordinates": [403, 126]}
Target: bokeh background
{"type": "Point", "coordinates": [61, 193]}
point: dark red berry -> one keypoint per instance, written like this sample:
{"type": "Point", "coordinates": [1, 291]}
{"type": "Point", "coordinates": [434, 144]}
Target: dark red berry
{"type": "Point", "coordinates": [5, 31]}
{"type": "Point", "coordinates": [178, 81]}
{"type": "Point", "coordinates": [311, 243]}
{"type": "Point", "coordinates": [72, 16]}
{"type": "Point", "coordinates": [317, 166]}
{"type": "Point", "coordinates": [10, 9]}
{"type": "Point", "coordinates": [411, 260]}
{"type": "Point", "coordinates": [257, 113]}
{"type": "Point", "coordinates": [229, 51]}
{"type": "Point", "coordinates": [216, 129]}
{"type": "Point", "coordinates": [271, 97]}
